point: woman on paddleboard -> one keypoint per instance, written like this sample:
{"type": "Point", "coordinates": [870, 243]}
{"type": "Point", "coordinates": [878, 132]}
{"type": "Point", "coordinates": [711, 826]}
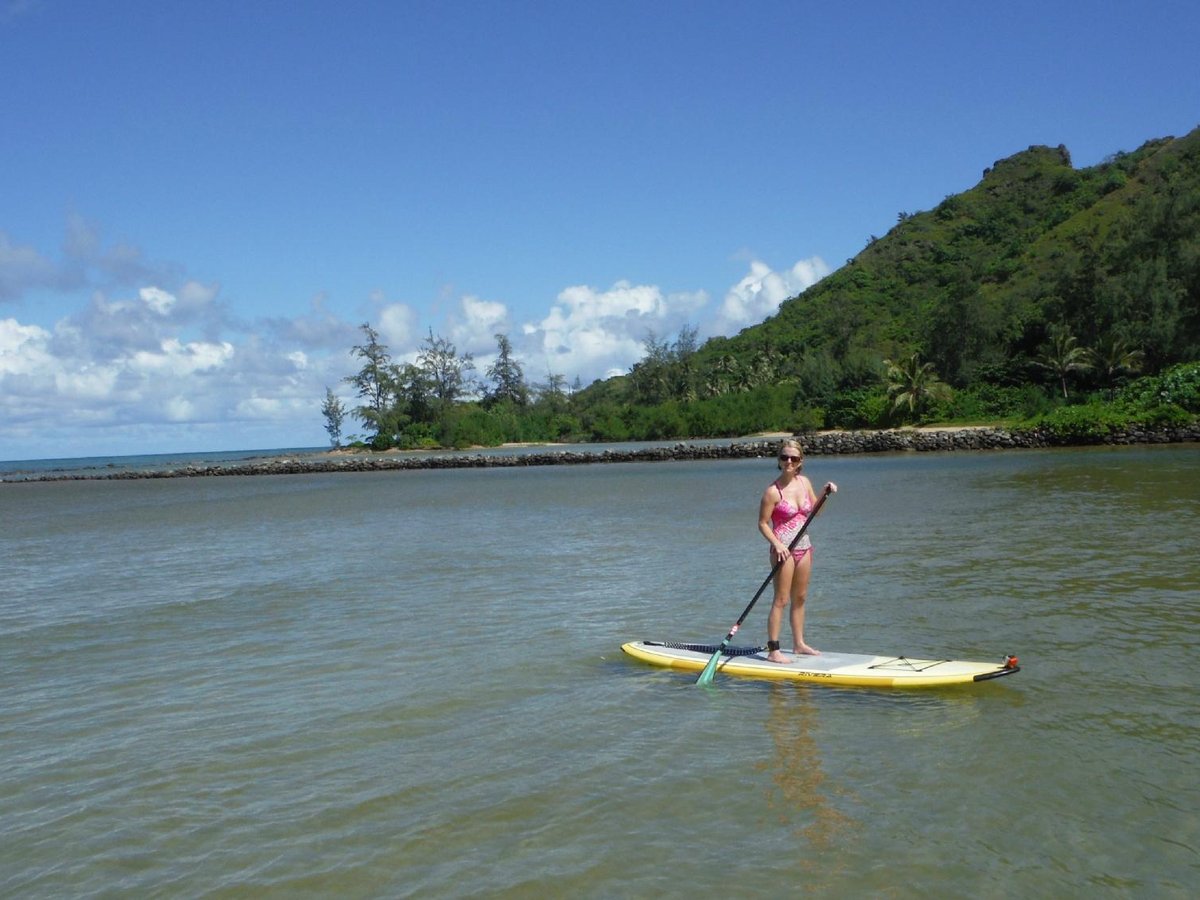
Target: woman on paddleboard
{"type": "Point", "coordinates": [785, 506]}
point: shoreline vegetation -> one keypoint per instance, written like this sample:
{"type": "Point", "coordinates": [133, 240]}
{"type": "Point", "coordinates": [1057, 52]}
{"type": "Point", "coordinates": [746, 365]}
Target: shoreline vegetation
{"type": "Point", "coordinates": [899, 440]}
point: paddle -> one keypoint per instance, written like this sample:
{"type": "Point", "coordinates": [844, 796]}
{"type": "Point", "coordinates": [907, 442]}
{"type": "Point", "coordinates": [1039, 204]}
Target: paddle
{"type": "Point", "coordinates": [706, 676]}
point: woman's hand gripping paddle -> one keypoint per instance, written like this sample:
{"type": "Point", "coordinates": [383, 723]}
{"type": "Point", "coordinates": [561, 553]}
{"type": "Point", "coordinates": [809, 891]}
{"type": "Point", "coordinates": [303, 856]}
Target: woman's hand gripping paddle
{"type": "Point", "coordinates": [706, 676]}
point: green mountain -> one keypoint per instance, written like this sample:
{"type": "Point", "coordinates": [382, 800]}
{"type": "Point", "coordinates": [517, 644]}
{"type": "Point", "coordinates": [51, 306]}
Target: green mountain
{"type": "Point", "coordinates": [1109, 253]}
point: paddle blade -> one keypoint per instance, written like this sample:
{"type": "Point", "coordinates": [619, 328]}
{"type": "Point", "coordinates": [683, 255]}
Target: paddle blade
{"type": "Point", "coordinates": [706, 676]}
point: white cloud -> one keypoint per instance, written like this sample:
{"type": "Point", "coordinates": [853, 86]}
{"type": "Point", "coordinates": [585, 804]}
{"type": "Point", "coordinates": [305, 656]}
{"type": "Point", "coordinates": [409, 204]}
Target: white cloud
{"type": "Point", "coordinates": [163, 365]}
{"type": "Point", "coordinates": [594, 334]}
{"type": "Point", "coordinates": [112, 327]}
{"type": "Point", "coordinates": [591, 333]}
{"type": "Point", "coordinates": [759, 294]}
{"type": "Point", "coordinates": [157, 300]}
{"type": "Point", "coordinates": [119, 365]}
{"type": "Point", "coordinates": [22, 348]}
{"type": "Point", "coordinates": [398, 327]}
{"type": "Point", "coordinates": [474, 330]}
{"type": "Point", "coordinates": [178, 360]}
{"type": "Point", "coordinates": [88, 383]}
{"type": "Point", "coordinates": [259, 407]}
{"type": "Point", "coordinates": [179, 409]}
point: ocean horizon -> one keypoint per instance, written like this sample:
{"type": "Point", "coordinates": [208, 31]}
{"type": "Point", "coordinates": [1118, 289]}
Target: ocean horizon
{"type": "Point", "coordinates": [16, 468]}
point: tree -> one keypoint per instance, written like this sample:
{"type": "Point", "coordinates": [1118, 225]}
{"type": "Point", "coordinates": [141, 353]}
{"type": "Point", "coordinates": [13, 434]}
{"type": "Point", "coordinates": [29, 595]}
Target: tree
{"type": "Point", "coordinates": [375, 382]}
{"type": "Point", "coordinates": [650, 374]}
{"type": "Point", "coordinates": [507, 376]}
{"type": "Point", "coordinates": [413, 392]}
{"type": "Point", "coordinates": [766, 366]}
{"type": "Point", "coordinates": [914, 384]}
{"type": "Point", "coordinates": [746, 378]}
{"type": "Point", "coordinates": [817, 378]}
{"type": "Point", "coordinates": [667, 370]}
{"type": "Point", "coordinates": [334, 412]}
{"type": "Point", "coordinates": [722, 375]}
{"type": "Point", "coordinates": [683, 369]}
{"type": "Point", "coordinates": [552, 395]}
{"type": "Point", "coordinates": [1063, 356]}
{"type": "Point", "coordinates": [1112, 357]}
{"type": "Point", "coordinates": [450, 375]}
{"type": "Point", "coordinates": [686, 343]}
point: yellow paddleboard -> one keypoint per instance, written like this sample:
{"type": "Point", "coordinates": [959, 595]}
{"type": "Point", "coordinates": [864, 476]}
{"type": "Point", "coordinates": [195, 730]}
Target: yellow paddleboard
{"type": "Point", "coordinates": [858, 669]}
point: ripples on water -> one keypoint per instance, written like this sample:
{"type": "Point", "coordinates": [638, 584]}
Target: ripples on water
{"type": "Point", "coordinates": [410, 684]}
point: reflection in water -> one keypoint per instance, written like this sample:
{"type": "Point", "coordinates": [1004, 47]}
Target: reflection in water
{"type": "Point", "coordinates": [804, 791]}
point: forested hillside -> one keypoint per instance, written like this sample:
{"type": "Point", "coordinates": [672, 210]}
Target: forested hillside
{"type": "Point", "coordinates": [978, 285]}
{"type": "Point", "coordinates": [1042, 288]}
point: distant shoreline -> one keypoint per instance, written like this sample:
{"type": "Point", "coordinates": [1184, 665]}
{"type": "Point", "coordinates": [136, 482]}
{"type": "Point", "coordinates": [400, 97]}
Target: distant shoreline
{"type": "Point", "coordinates": [966, 438]}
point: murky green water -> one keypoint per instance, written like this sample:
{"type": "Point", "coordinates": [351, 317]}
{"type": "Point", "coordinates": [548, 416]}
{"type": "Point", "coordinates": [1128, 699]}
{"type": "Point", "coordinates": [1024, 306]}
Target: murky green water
{"type": "Point", "coordinates": [410, 684]}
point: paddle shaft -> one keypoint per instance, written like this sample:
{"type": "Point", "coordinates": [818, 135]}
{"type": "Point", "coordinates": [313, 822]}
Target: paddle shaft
{"type": "Point", "coordinates": [707, 674]}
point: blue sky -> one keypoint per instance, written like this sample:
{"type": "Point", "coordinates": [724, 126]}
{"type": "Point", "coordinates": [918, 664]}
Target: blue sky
{"type": "Point", "coordinates": [201, 201]}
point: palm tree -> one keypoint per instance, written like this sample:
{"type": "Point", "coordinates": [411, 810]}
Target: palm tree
{"type": "Point", "coordinates": [1114, 357]}
{"type": "Point", "coordinates": [745, 379]}
{"type": "Point", "coordinates": [914, 384]}
{"type": "Point", "coordinates": [1063, 356]}
{"type": "Point", "coordinates": [766, 367]}
{"type": "Point", "coordinates": [724, 372]}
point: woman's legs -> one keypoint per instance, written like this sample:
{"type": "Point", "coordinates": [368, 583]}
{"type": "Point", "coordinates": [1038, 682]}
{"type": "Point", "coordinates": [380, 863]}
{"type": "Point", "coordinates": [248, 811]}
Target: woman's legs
{"type": "Point", "coordinates": [783, 591]}
{"type": "Point", "coordinates": [799, 594]}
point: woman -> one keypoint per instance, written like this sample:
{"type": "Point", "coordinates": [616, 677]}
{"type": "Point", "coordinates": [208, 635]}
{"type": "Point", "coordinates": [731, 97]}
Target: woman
{"type": "Point", "coordinates": [784, 507]}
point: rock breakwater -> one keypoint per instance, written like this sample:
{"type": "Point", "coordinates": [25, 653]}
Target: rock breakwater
{"type": "Point", "coordinates": [817, 444]}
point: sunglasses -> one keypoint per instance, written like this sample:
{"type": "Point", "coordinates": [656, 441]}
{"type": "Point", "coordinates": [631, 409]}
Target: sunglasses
{"type": "Point", "coordinates": [795, 459]}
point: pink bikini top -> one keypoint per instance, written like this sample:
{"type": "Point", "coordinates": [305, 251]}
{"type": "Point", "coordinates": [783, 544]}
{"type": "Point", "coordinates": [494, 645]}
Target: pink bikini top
{"type": "Point", "coordinates": [786, 518]}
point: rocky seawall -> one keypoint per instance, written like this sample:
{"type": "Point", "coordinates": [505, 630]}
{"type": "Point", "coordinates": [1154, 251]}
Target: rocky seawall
{"type": "Point", "coordinates": [822, 443]}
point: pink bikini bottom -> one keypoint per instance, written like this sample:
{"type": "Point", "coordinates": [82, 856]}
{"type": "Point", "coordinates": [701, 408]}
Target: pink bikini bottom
{"type": "Point", "coordinates": [797, 554]}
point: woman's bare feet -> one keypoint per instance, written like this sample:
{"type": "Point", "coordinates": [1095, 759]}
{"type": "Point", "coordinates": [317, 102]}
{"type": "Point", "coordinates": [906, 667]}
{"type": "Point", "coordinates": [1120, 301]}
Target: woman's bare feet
{"type": "Point", "coordinates": [776, 656]}
{"type": "Point", "coordinates": [805, 650]}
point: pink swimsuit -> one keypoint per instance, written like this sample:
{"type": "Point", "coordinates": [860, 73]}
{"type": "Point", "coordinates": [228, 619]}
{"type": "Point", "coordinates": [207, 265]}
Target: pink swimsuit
{"type": "Point", "coordinates": [786, 521]}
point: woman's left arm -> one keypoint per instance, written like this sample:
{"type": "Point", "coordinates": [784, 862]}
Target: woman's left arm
{"type": "Point", "coordinates": [812, 497]}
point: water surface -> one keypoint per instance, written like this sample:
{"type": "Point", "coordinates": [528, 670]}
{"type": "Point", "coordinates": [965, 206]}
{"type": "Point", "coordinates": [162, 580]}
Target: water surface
{"type": "Point", "coordinates": [410, 683]}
